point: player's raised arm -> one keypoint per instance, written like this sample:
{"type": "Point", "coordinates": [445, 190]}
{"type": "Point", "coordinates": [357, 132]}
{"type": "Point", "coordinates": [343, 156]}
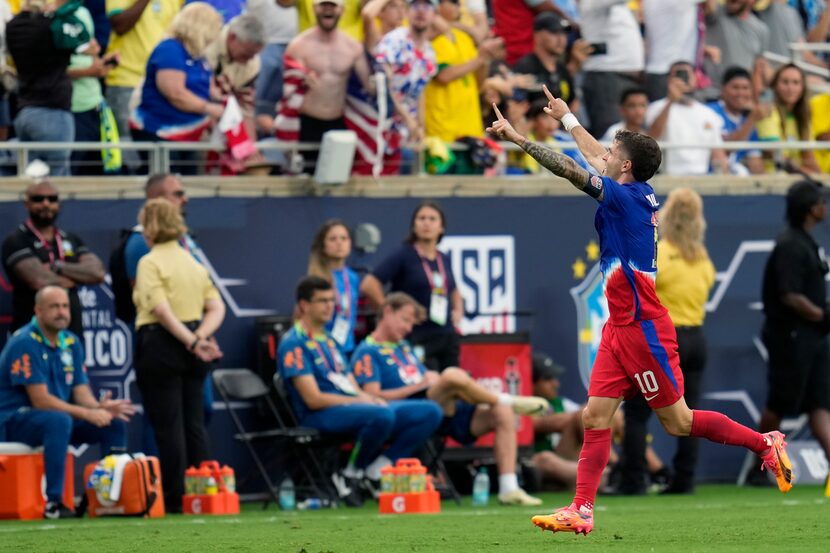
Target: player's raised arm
{"type": "Point", "coordinates": [593, 151]}
{"type": "Point", "coordinates": [559, 164]}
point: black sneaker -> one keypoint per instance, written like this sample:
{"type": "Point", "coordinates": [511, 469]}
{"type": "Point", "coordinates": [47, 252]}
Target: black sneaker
{"type": "Point", "coordinates": [56, 509]}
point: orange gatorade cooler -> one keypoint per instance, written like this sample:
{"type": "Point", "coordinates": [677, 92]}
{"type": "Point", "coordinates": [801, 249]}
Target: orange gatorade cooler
{"type": "Point", "coordinates": [22, 482]}
{"type": "Point", "coordinates": [412, 489]}
{"type": "Point", "coordinates": [215, 493]}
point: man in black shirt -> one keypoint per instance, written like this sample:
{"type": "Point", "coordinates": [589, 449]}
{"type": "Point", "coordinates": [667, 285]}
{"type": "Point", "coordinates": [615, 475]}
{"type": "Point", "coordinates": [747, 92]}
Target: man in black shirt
{"type": "Point", "coordinates": [44, 96]}
{"type": "Point", "coordinates": [38, 254]}
{"type": "Point", "coordinates": [798, 318]}
{"type": "Point", "coordinates": [546, 63]}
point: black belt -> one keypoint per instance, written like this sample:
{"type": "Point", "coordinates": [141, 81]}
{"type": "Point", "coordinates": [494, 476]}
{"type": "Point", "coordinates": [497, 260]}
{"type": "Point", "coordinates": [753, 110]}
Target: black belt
{"type": "Point", "coordinates": [689, 328]}
{"type": "Point", "coordinates": [153, 327]}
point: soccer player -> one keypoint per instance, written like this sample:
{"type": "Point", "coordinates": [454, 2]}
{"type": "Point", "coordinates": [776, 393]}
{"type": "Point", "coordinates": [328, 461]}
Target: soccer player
{"type": "Point", "coordinates": [385, 366]}
{"type": "Point", "coordinates": [638, 349]}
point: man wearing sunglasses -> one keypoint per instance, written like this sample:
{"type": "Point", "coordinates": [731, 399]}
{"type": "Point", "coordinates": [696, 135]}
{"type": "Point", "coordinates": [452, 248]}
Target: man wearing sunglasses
{"type": "Point", "coordinates": [38, 254]}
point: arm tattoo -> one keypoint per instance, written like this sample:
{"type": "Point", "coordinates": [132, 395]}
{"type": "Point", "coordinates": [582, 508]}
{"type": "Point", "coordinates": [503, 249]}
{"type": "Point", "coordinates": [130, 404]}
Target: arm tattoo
{"type": "Point", "coordinates": [558, 164]}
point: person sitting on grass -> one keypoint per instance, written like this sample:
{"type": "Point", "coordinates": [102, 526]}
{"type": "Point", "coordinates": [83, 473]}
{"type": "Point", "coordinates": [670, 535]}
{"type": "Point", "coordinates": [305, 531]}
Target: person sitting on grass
{"type": "Point", "coordinates": [385, 366]}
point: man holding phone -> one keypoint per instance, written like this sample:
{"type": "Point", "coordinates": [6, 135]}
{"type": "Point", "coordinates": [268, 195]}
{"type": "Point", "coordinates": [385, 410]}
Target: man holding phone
{"type": "Point", "coordinates": [679, 118]}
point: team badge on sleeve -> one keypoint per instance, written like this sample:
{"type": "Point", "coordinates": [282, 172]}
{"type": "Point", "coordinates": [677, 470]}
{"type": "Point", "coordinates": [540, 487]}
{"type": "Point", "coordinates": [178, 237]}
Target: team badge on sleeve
{"type": "Point", "coordinates": [594, 187]}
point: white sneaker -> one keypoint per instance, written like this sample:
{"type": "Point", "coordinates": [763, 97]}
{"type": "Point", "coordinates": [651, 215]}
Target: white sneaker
{"type": "Point", "coordinates": [529, 405]}
{"type": "Point", "coordinates": [519, 497]}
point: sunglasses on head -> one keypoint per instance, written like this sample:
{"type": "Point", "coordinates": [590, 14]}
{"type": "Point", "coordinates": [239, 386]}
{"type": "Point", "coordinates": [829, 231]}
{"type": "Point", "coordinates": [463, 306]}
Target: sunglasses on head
{"type": "Point", "coordinates": [38, 198]}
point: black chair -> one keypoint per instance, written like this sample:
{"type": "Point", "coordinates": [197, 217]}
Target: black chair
{"type": "Point", "coordinates": [244, 385]}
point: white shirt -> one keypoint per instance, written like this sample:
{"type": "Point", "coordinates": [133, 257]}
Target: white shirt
{"type": "Point", "coordinates": [611, 22]}
{"type": "Point", "coordinates": [687, 123]}
{"type": "Point", "coordinates": [671, 33]}
{"type": "Point", "coordinates": [280, 23]}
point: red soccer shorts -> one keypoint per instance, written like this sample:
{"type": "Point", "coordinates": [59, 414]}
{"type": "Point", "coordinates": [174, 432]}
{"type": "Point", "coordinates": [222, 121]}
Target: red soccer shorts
{"type": "Point", "coordinates": [640, 357]}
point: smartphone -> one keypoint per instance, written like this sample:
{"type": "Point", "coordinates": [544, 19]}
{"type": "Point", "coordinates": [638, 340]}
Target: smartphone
{"type": "Point", "coordinates": [766, 97]}
{"type": "Point", "coordinates": [683, 75]}
{"type": "Point", "coordinates": [599, 48]}
{"type": "Point", "coordinates": [112, 62]}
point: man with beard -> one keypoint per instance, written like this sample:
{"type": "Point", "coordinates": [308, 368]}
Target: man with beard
{"type": "Point", "coordinates": [38, 254]}
{"type": "Point", "coordinates": [329, 56]}
{"type": "Point", "coordinates": [45, 397]}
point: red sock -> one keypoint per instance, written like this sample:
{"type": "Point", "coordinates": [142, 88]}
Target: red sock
{"type": "Point", "coordinates": [719, 428]}
{"type": "Point", "coordinates": [592, 461]}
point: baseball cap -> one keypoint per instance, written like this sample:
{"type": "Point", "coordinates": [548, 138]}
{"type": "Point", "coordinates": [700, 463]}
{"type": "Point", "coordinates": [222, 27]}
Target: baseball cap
{"type": "Point", "coordinates": [336, 2]}
{"type": "Point", "coordinates": [551, 22]}
{"type": "Point", "coordinates": [544, 368]}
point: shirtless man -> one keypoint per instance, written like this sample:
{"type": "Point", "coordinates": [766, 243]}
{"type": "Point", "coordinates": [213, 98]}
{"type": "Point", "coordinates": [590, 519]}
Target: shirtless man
{"type": "Point", "coordinates": [330, 55]}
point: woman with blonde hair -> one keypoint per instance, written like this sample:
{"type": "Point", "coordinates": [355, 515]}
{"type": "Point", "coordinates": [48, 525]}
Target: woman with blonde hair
{"type": "Point", "coordinates": [685, 275]}
{"type": "Point", "coordinates": [177, 97]}
{"type": "Point", "coordinates": [178, 310]}
{"type": "Point", "coordinates": [330, 248]}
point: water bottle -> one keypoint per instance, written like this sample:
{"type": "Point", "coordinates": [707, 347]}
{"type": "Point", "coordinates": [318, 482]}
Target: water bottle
{"type": "Point", "coordinates": [481, 488]}
{"type": "Point", "coordinates": [310, 504]}
{"type": "Point", "coordinates": [287, 498]}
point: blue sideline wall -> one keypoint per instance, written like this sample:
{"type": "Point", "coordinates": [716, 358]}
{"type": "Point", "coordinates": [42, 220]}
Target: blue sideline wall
{"type": "Point", "coordinates": [258, 247]}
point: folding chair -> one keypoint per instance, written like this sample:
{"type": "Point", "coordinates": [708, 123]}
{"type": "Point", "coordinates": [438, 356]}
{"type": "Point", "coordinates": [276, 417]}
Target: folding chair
{"type": "Point", "coordinates": [433, 450]}
{"type": "Point", "coordinates": [244, 385]}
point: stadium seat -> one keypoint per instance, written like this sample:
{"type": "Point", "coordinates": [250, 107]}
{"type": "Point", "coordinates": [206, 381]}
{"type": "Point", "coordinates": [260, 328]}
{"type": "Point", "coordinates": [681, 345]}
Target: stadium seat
{"type": "Point", "coordinates": [236, 385]}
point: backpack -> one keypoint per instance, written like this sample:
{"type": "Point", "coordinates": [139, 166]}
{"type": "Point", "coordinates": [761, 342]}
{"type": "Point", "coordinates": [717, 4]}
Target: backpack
{"type": "Point", "coordinates": [120, 282]}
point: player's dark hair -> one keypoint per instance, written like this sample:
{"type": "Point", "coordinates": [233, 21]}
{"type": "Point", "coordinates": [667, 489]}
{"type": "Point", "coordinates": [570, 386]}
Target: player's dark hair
{"type": "Point", "coordinates": [643, 153]}
{"type": "Point", "coordinates": [310, 284]}
{"type": "Point", "coordinates": [681, 63]}
{"type": "Point", "coordinates": [537, 108]}
{"type": "Point", "coordinates": [802, 196]}
{"type": "Point", "coordinates": [628, 92]}
{"type": "Point", "coordinates": [411, 238]}
{"type": "Point", "coordinates": [735, 72]}
{"type": "Point", "coordinates": [155, 180]}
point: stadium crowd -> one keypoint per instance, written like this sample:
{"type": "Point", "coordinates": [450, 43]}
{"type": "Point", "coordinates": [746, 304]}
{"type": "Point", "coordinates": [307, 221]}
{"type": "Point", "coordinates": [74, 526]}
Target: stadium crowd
{"type": "Point", "coordinates": [684, 71]}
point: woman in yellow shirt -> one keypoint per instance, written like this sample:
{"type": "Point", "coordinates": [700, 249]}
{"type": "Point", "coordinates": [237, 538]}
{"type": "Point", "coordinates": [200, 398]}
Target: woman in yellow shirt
{"type": "Point", "coordinates": [177, 312]}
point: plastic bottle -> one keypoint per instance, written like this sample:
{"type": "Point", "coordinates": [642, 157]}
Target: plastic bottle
{"type": "Point", "coordinates": [229, 478]}
{"type": "Point", "coordinates": [481, 488]}
{"type": "Point", "coordinates": [201, 480]}
{"type": "Point", "coordinates": [310, 504]}
{"type": "Point", "coordinates": [287, 497]}
{"type": "Point", "coordinates": [191, 476]}
{"type": "Point", "coordinates": [212, 487]}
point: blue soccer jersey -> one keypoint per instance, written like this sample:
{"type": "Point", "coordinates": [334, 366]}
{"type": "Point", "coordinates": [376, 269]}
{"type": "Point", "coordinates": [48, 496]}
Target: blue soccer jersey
{"type": "Point", "coordinates": [391, 365]}
{"type": "Point", "coordinates": [320, 357]}
{"type": "Point", "coordinates": [627, 225]}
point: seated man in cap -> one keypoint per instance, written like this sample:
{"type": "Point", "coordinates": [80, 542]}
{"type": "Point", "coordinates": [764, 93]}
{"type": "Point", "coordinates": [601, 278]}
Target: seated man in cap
{"type": "Point", "coordinates": [385, 366]}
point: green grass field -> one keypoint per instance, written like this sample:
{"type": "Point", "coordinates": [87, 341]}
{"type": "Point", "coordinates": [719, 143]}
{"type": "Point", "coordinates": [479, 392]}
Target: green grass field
{"type": "Point", "coordinates": [718, 518]}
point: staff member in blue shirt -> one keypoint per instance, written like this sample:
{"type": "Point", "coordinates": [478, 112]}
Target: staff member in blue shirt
{"type": "Point", "coordinates": [45, 397]}
{"type": "Point", "coordinates": [331, 247]}
{"type": "Point", "coordinates": [423, 272]}
{"type": "Point", "coordinates": [325, 395]}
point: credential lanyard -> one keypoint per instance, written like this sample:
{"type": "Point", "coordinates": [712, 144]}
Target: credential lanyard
{"type": "Point", "coordinates": [45, 244]}
{"type": "Point", "coordinates": [431, 274]}
{"type": "Point", "coordinates": [344, 303]}
{"type": "Point", "coordinates": [318, 350]}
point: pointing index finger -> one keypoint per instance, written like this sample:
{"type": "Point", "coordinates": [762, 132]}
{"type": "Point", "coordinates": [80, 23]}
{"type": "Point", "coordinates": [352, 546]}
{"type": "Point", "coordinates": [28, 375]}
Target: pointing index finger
{"type": "Point", "coordinates": [550, 96]}
{"type": "Point", "coordinates": [498, 113]}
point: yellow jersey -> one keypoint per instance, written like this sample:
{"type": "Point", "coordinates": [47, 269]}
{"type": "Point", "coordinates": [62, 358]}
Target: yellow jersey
{"type": "Point", "coordinates": [683, 287]}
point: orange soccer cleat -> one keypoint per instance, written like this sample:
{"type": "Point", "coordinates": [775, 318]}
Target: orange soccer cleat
{"type": "Point", "coordinates": [567, 519]}
{"type": "Point", "coordinates": [777, 461]}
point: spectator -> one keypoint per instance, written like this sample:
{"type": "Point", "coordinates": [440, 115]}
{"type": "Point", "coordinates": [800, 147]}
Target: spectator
{"type": "Point", "coordinates": [38, 254]}
{"type": "Point", "coordinates": [740, 36]}
{"type": "Point", "coordinates": [816, 19]}
{"type": "Point", "coordinates": [176, 103]}
{"type": "Point", "coordinates": [327, 56]}
{"type": "Point", "coordinates": [168, 187]}
{"type": "Point", "coordinates": [671, 33]}
{"type": "Point", "coordinates": [325, 395]}
{"type": "Point", "coordinates": [45, 397]}
{"type": "Point", "coordinates": [349, 21]}
{"type": "Point", "coordinates": [86, 71]}
{"type": "Point", "coordinates": [385, 366]}
{"type": "Point", "coordinates": [7, 73]}
{"type": "Point", "coordinates": [381, 17]}
{"type": "Point", "coordinates": [797, 318]}
{"type": "Point", "coordinates": [452, 97]}
{"type": "Point", "coordinates": [331, 247]}
{"type": "Point", "coordinates": [280, 27]}
{"type": "Point", "coordinates": [820, 108]}
{"type": "Point", "coordinates": [228, 9]}
{"type": "Point", "coordinates": [41, 56]}
{"type": "Point", "coordinates": [785, 28]}
{"type": "Point", "coordinates": [790, 120]}
{"type": "Point", "coordinates": [409, 60]}
{"type": "Point", "coordinates": [679, 118]}
{"type": "Point", "coordinates": [473, 19]}
{"type": "Point", "coordinates": [136, 30]}
{"type": "Point", "coordinates": [633, 108]}
{"type": "Point", "coordinates": [513, 22]}
{"type": "Point", "coordinates": [178, 312]}
{"type": "Point", "coordinates": [559, 430]}
{"type": "Point", "coordinates": [683, 284]}
{"type": "Point", "coordinates": [98, 11]}
{"type": "Point", "coordinates": [610, 23]}
{"type": "Point", "coordinates": [546, 63]}
{"type": "Point", "coordinates": [418, 268]}
{"type": "Point", "coordinates": [740, 114]}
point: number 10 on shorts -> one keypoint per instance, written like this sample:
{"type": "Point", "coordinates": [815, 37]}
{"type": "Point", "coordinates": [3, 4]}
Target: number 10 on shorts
{"type": "Point", "coordinates": [647, 382]}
